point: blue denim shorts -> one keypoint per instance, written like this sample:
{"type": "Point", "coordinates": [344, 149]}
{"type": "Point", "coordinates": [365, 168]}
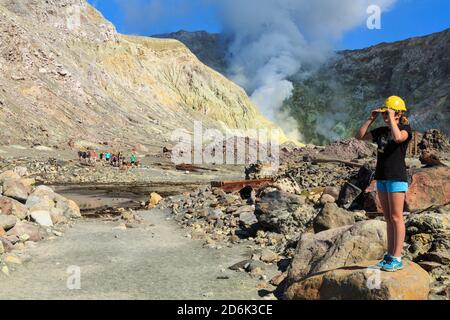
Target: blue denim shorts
{"type": "Point", "coordinates": [392, 186]}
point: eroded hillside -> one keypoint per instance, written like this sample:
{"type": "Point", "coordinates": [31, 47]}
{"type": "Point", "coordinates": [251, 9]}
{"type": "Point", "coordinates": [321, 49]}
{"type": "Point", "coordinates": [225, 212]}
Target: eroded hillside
{"type": "Point", "coordinates": [67, 75]}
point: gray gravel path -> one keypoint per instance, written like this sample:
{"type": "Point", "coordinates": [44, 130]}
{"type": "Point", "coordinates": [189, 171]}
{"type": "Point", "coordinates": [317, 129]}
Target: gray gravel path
{"type": "Point", "coordinates": [153, 262]}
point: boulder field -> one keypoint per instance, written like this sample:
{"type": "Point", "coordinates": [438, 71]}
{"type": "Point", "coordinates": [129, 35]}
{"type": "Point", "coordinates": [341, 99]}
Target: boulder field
{"type": "Point", "coordinates": [28, 214]}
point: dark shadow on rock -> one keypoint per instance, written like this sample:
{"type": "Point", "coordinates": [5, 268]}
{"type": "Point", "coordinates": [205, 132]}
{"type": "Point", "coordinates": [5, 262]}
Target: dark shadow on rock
{"type": "Point", "coordinates": [264, 292]}
{"type": "Point", "coordinates": [284, 264]}
{"type": "Point", "coordinates": [279, 291]}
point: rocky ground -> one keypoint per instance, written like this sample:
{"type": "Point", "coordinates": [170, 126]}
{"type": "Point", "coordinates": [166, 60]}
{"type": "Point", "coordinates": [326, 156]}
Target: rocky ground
{"type": "Point", "coordinates": [154, 260]}
{"type": "Point", "coordinates": [315, 222]}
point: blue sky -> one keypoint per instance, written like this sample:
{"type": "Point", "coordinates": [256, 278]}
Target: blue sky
{"type": "Point", "coordinates": [408, 18]}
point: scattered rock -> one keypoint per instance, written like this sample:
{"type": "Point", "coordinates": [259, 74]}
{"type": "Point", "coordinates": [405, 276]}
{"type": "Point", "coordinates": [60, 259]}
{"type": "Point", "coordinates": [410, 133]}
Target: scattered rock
{"type": "Point", "coordinates": [283, 212]}
{"type": "Point", "coordinates": [154, 200]}
{"type": "Point", "coordinates": [360, 282]}
{"type": "Point", "coordinates": [309, 176]}
{"type": "Point", "coordinates": [42, 218]}
{"type": "Point", "coordinates": [331, 191]}
{"type": "Point", "coordinates": [7, 222]}
{"type": "Point", "coordinates": [326, 198]}
{"type": "Point", "coordinates": [278, 279]}
{"type": "Point", "coordinates": [23, 227]}
{"type": "Point", "coordinates": [240, 266]}
{"type": "Point", "coordinates": [428, 235]}
{"type": "Point", "coordinates": [269, 256]}
{"type": "Point", "coordinates": [287, 184]}
{"type": "Point", "coordinates": [430, 159]}
{"type": "Point", "coordinates": [8, 246]}
{"type": "Point", "coordinates": [435, 140]}
{"type": "Point", "coordinates": [5, 270]}
{"type": "Point", "coordinates": [8, 175]}
{"type": "Point", "coordinates": [332, 217]}
{"type": "Point", "coordinates": [15, 189]}
{"type": "Point", "coordinates": [247, 217]}
{"type": "Point", "coordinates": [10, 206]}
{"type": "Point", "coordinates": [12, 259]}
{"type": "Point", "coordinates": [349, 149]}
{"type": "Point", "coordinates": [348, 195]}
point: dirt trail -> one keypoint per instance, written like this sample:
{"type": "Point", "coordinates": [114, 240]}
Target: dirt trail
{"type": "Point", "coordinates": [156, 262]}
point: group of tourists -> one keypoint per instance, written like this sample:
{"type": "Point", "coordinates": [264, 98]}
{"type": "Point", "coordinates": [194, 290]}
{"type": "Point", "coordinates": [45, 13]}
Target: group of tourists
{"type": "Point", "coordinates": [118, 159]}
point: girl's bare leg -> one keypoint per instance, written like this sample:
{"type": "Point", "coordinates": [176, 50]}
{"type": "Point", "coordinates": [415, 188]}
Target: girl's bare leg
{"type": "Point", "coordinates": [384, 200]}
{"type": "Point", "coordinates": [396, 205]}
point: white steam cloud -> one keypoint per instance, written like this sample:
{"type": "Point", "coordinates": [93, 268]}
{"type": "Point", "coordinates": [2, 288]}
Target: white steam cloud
{"type": "Point", "coordinates": [273, 39]}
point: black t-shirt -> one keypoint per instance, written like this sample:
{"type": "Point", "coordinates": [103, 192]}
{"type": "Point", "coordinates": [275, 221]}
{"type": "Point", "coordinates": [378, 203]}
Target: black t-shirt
{"type": "Point", "coordinates": [391, 155]}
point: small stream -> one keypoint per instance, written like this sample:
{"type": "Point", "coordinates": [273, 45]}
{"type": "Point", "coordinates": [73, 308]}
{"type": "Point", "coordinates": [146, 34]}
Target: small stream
{"type": "Point", "coordinates": [93, 199]}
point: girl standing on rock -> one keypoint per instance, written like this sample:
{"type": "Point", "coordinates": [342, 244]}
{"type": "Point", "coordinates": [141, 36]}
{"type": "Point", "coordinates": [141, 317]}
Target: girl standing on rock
{"type": "Point", "coordinates": [391, 174]}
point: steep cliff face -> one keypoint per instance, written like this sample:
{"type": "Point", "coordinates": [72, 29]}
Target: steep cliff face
{"type": "Point", "coordinates": [210, 48]}
{"type": "Point", "coordinates": [66, 74]}
{"type": "Point", "coordinates": [335, 98]}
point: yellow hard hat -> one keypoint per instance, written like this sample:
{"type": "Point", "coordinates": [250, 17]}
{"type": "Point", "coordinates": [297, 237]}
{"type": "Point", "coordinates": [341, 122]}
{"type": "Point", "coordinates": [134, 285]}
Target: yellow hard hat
{"type": "Point", "coordinates": [395, 103]}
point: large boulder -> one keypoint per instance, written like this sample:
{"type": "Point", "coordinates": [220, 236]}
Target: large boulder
{"type": "Point", "coordinates": [7, 221]}
{"type": "Point", "coordinates": [361, 282]}
{"type": "Point", "coordinates": [331, 216]}
{"type": "Point", "coordinates": [15, 189]}
{"type": "Point", "coordinates": [429, 187]}
{"type": "Point", "coordinates": [26, 228]}
{"type": "Point", "coordinates": [44, 191]}
{"type": "Point", "coordinates": [43, 198]}
{"type": "Point", "coordinates": [13, 207]}
{"type": "Point", "coordinates": [284, 212]}
{"type": "Point", "coordinates": [38, 203]}
{"type": "Point", "coordinates": [337, 248]}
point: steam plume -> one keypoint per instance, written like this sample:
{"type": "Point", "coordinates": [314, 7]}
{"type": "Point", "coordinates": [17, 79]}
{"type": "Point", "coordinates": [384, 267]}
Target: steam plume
{"type": "Point", "coordinates": [273, 40]}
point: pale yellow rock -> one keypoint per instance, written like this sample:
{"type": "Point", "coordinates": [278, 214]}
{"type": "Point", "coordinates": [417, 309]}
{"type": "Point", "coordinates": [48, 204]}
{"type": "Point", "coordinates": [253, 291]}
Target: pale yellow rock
{"type": "Point", "coordinates": [24, 237]}
{"type": "Point", "coordinates": [5, 270]}
{"type": "Point", "coordinates": [10, 259]}
{"type": "Point", "coordinates": [122, 226]}
{"type": "Point", "coordinates": [44, 204]}
{"type": "Point", "coordinates": [28, 182]}
{"type": "Point", "coordinates": [9, 174]}
{"type": "Point", "coordinates": [154, 199]}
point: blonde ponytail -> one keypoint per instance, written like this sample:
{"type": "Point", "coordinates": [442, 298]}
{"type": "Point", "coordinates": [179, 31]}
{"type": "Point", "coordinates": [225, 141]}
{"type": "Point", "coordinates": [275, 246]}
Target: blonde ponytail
{"type": "Point", "coordinates": [404, 119]}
